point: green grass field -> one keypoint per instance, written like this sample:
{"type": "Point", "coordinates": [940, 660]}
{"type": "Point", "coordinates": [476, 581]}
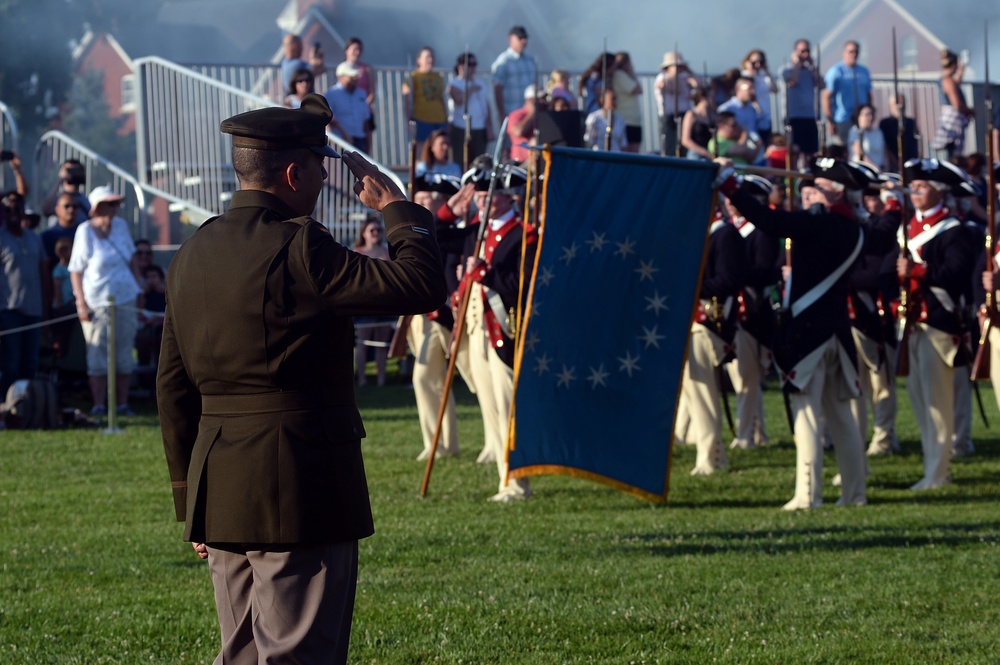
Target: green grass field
{"type": "Point", "coordinates": [94, 571]}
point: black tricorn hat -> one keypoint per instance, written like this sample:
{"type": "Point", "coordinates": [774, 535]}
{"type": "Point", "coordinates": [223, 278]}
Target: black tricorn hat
{"type": "Point", "coordinates": [935, 170]}
{"type": "Point", "coordinates": [279, 128]}
{"type": "Point", "coordinates": [437, 182]}
{"type": "Point", "coordinates": [839, 170]}
{"type": "Point", "coordinates": [873, 179]}
{"type": "Point", "coordinates": [509, 177]}
{"type": "Point", "coordinates": [755, 185]}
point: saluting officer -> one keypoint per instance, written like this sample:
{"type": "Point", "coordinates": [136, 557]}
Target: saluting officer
{"type": "Point", "coordinates": [815, 355]}
{"type": "Point", "coordinates": [256, 395]}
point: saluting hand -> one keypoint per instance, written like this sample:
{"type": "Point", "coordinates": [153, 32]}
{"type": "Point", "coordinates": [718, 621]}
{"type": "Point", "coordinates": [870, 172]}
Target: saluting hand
{"type": "Point", "coordinates": [374, 188]}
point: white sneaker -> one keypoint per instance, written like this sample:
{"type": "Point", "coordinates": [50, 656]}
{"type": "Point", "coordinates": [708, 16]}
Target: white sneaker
{"type": "Point", "coordinates": [486, 457]}
{"type": "Point", "coordinates": [742, 444]}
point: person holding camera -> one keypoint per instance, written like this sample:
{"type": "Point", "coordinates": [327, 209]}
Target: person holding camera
{"type": "Point", "coordinates": [72, 179]}
{"type": "Point", "coordinates": [293, 62]}
{"type": "Point", "coordinates": [801, 82]}
{"type": "Point", "coordinates": [21, 258]}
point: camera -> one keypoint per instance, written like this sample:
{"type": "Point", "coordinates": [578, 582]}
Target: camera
{"type": "Point", "coordinates": [6, 155]}
{"type": "Point", "coordinates": [76, 175]}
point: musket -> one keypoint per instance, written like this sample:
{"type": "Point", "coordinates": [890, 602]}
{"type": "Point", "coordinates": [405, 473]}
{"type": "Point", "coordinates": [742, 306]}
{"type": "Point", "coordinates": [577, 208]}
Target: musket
{"type": "Point", "coordinates": [608, 113]}
{"type": "Point", "coordinates": [821, 128]}
{"type": "Point", "coordinates": [918, 139]}
{"type": "Point", "coordinates": [903, 314]}
{"type": "Point", "coordinates": [412, 126]}
{"type": "Point", "coordinates": [981, 363]}
{"type": "Point", "coordinates": [789, 201]}
{"type": "Point", "coordinates": [462, 309]}
{"type": "Point", "coordinates": [531, 216]}
{"type": "Point", "coordinates": [467, 139]}
{"type": "Point", "coordinates": [802, 175]}
{"type": "Point", "coordinates": [677, 98]}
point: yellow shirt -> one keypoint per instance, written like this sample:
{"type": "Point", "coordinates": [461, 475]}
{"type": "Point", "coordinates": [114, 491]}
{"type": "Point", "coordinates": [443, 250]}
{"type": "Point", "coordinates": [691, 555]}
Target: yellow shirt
{"type": "Point", "coordinates": [427, 92]}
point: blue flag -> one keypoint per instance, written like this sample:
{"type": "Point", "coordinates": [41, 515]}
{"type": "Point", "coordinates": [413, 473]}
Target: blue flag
{"type": "Point", "coordinates": [606, 326]}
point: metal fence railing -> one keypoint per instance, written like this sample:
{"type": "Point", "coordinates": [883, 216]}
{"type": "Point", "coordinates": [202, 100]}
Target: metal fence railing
{"type": "Point", "coordinates": [152, 213]}
{"type": "Point", "coordinates": [182, 152]}
{"type": "Point", "coordinates": [390, 145]}
{"type": "Point", "coordinates": [8, 141]}
{"type": "Point", "coordinates": [54, 148]}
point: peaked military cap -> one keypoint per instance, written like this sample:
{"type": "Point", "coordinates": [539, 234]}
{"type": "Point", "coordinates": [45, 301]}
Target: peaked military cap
{"type": "Point", "coordinates": [437, 182]}
{"type": "Point", "coordinates": [278, 128]}
{"type": "Point", "coordinates": [839, 170]}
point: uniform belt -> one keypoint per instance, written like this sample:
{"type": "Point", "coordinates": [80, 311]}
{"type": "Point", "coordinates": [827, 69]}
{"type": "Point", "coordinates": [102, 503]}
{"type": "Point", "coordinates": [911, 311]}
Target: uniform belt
{"type": "Point", "coordinates": [289, 400]}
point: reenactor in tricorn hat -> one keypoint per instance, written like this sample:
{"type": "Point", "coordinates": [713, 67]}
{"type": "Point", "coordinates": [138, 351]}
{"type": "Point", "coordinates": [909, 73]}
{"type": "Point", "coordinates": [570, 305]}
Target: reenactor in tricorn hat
{"type": "Point", "coordinates": [495, 278]}
{"type": "Point", "coordinates": [755, 333]}
{"type": "Point", "coordinates": [255, 382]}
{"type": "Point", "coordinates": [712, 342]}
{"type": "Point", "coordinates": [429, 335]}
{"type": "Point", "coordinates": [814, 351]}
{"type": "Point", "coordinates": [873, 287]}
{"type": "Point", "coordinates": [937, 273]}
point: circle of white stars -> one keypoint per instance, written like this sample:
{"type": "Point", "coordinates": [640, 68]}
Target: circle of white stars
{"type": "Point", "coordinates": [622, 362]}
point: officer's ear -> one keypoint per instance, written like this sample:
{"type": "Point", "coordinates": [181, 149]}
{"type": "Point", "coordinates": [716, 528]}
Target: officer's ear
{"type": "Point", "coordinates": [292, 173]}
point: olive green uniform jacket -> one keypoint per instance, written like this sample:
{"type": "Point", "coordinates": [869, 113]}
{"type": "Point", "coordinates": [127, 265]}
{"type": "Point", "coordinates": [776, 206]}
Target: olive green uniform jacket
{"type": "Point", "coordinates": [255, 383]}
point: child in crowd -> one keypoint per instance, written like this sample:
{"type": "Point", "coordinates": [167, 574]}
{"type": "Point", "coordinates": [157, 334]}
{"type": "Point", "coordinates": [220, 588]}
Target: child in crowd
{"type": "Point", "coordinates": [63, 302]}
{"type": "Point", "coordinates": [152, 305]}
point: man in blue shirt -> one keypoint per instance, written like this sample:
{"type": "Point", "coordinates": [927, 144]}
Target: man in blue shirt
{"type": "Point", "coordinates": [349, 105]}
{"type": "Point", "coordinates": [801, 80]}
{"type": "Point", "coordinates": [513, 71]}
{"type": "Point", "coordinates": [848, 86]}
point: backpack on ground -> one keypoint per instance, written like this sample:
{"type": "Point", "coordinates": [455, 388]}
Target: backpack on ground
{"type": "Point", "coordinates": [32, 404]}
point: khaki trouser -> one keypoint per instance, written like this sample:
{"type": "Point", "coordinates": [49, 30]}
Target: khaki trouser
{"type": "Point", "coordinates": [283, 607]}
{"type": "Point", "coordinates": [823, 396]}
{"type": "Point", "coordinates": [429, 343]}
{"type": "Point", "coordinates": [931, 386]}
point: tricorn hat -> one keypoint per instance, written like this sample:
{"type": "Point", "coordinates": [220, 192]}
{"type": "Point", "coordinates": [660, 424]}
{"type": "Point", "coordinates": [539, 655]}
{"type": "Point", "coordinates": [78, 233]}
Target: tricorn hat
{"type": "Point", "coordinates": [839, 170]}
{"type": "Point", "coordinates": [509, 177]}
{"type": "Point", "coordinates": [935, 170]}
{"type": "Point", "coordinates": [437, 182]}
{"type": "Point", "coordinates": [755, 185]}
{"type": "Point", "coordinates": [871, 174]}
{"type": "Point", "coordinates": [278, 128]}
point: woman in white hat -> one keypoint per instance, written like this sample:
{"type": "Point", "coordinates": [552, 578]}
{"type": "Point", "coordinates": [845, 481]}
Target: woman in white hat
{"type": "Point", "coordinates": [100, 268]}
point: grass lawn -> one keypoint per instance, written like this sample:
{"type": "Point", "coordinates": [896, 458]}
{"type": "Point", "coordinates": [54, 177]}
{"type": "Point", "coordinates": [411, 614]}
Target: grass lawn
{"type": "Point", "coordinates": [92, 568]}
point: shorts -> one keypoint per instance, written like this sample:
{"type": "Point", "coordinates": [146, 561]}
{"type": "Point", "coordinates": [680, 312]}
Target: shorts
{"type": "Point", "coordinates": [95, 333]}
{"type": "Point", "coordinates": [805, 135]}
{"type": "Point", "coordinates": [424, 129]}
{"type": "Point", "coordinates": [633, 133]}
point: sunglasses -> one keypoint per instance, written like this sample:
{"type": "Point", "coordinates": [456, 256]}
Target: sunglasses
{"type": "Point", "coordinates": [69, 206]}
{"type": "Point", "coordinates": [144, 252]}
